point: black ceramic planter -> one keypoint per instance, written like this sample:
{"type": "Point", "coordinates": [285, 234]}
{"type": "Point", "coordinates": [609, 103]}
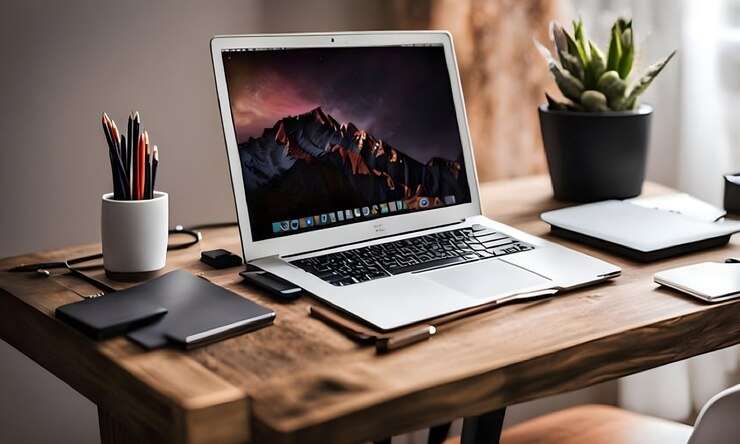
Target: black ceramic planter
{"type": "Point", "coordinates": [596, 156]}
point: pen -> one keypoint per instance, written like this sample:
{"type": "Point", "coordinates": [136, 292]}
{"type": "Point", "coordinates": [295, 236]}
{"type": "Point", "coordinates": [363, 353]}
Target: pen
{"type": "Point", "coordinates": [389, 343]}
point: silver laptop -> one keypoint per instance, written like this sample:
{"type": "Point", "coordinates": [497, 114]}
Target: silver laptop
{"type": "Point", "coordinates": [353, 177]}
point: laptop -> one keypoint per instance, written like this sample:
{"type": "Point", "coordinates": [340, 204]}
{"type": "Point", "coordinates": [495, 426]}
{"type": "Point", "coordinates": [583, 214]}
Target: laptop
{"type": "Point", "coordinates": [354, 179]}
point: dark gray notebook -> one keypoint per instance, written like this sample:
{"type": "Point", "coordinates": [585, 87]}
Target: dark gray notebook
{"type": "Point", "coordinates": [198, 312]}
{"type": "Point", "coordinates": [110, 315]}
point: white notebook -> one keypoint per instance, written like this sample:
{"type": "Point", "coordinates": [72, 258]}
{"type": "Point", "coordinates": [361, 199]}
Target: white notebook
{"type": "Point", "coordinates": [710, 281]}
{"type": "Point", "coordinates": [639, 232]}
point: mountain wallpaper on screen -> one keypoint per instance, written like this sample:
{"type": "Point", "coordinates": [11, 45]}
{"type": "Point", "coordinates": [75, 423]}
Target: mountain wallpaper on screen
{"type": "Point", "coordinates": [311, 161]}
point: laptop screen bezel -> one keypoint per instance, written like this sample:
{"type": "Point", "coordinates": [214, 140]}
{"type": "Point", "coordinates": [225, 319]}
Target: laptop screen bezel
{"type": "Point", "coordinates": [358, 231]}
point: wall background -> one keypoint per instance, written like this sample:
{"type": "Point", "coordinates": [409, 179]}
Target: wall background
{"type": "Point", "coordinates": [66, 62]}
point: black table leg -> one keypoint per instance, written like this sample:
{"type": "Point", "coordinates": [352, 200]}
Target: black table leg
{"type": "Point", "coordinates": [438, 434]}
{"type": "Point", "coordinates": [483, 429]}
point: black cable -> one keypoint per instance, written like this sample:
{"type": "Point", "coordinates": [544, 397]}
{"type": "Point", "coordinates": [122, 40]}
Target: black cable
{"type": "Point", "coordinates": [179, 229]}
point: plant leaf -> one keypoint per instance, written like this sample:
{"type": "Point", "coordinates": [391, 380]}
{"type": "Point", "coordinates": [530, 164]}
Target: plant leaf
{"type": "Point", "coordinates": [628, 54]}
{"type": "Point", "coordinates": [613, 88]}
{"type": "Point", "coordinates": [594, 101]}
{"type": "Point", "coordinates": [568, 84]}
{"type": "Point", "coordinates": [573, 48]}
{"type": "Point", "coordinates": [615, 50]}
{"type": "Point", "coordinates": [557, 34]}
{"type": "Point", "coordinates": [598, 64]}
{"type": "Point", "coordinates": [572, 64]}
{"type": "Point", "coordinates": [562, 105]}
{"type": "Point", "coordinates": [647, 78]}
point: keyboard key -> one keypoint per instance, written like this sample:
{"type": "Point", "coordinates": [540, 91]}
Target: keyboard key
{"type": "Point", "coordinates": [426, 265]}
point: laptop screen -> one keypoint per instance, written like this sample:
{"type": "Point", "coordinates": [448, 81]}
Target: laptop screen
{"type": "Point", "coordinates": [335, 136]}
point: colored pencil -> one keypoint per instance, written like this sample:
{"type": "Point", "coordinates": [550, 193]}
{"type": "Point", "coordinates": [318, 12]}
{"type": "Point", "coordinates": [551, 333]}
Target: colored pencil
{"type": "Point", "coordinates": [135, 152]}
{"type": "Point", "coordinates": [137, 167]}
{"type": "Point", "coordinates": [111, 148]}
{"type": "Point", "coordinates": [140, 166]}
{"type": "Point", "coordinates": [118, 156]}
{"type": "Point", "coordinates": [155, 163]}
{"type": "Point", "coordinates": [148, 173]}
{"type": "Point", "coordinates": [115, 159]}
{"type": "Point", "coordinates": [116, 136]}
{"type": "Point", "coordinates": [133, 160]}
{"type": "Point", "coordinates": [144, 162]}
{"type": "Point", "coordinates": [129, 147]}
{"type": "Point", "coordinates": [116, 192]}
{"type": "Point", "coordinates": [123, 161]}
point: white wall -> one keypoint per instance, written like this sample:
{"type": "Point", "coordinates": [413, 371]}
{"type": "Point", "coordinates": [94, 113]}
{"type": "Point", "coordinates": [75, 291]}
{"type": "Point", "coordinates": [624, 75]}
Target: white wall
{"type": "Point", "coordinates": [63, 63]}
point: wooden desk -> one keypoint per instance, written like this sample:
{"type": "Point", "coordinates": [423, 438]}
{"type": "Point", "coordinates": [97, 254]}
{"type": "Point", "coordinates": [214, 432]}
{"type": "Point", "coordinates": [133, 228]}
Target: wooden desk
{"type": "Point", "coordinates": [301, 381]}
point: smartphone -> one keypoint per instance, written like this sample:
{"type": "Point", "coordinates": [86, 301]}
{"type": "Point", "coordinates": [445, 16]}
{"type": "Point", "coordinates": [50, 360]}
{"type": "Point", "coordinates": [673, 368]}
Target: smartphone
{"type": "Point", "coordinates": [275, 285]}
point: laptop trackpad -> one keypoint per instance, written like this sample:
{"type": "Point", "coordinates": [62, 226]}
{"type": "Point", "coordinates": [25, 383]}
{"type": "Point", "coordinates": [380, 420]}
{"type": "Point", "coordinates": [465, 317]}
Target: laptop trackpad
{"type": "Point", "coordinates": [488, 279]}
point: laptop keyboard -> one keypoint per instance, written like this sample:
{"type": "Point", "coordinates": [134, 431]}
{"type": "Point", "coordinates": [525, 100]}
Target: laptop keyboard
{"type": "Point", "coordinates": [414, 254]}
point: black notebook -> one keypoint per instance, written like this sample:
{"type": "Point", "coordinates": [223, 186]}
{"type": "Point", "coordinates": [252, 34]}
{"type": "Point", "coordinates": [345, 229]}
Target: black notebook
{"type": "Point", "coordinates": [108, 316]}
{"type": "Point", "coordinates": [197, 311]}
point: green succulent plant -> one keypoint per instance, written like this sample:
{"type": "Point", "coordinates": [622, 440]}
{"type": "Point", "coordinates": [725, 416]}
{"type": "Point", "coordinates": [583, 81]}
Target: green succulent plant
{"type": "Point", "coordinates": [591, 80]}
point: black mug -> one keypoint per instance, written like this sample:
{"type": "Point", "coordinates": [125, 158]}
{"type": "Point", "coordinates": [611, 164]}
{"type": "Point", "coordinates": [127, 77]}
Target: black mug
{"type": "Point", "coordinates": [732, 193]}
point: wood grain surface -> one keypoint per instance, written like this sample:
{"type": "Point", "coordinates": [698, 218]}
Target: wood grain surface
{"type": "Point", "coordinates": [302, 381]}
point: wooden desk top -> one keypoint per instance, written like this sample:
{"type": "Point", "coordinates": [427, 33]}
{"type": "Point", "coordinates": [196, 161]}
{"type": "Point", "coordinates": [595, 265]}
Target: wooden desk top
{"type": "Point", "coordinates": [300, 380]}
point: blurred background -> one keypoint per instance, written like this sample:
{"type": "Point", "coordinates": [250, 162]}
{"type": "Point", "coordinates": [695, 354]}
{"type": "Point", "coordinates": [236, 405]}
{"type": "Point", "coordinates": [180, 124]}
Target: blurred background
{"type": "Point", "coordinates": [66, 62]}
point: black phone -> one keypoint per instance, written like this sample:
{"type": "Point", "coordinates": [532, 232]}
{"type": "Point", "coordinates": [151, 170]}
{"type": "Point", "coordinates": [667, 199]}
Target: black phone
{"type": "Point", "coordinates": [272, 283]}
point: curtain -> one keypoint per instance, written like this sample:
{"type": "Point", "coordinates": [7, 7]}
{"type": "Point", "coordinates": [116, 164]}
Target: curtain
{"type": "Point", "coordinates": [696, 125]}
{"type": "Point", "coordinates": [503, 76]}
{"type": "Point", "coordinates": [696, 138]}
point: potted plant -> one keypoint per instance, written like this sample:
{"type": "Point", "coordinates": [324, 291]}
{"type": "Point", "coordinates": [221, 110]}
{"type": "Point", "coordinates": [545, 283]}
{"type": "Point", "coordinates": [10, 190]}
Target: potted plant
{"type": "Point", "coordinates": [596, 138]}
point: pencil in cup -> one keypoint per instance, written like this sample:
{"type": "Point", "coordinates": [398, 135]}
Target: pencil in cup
{"type": "Point", "coordinates": [117, 171]}
{"type": "Point", "coordinates": [133, 161]}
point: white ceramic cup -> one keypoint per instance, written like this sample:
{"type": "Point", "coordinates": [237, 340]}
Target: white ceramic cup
{"type": "Point", "coordinates": [134, 233]}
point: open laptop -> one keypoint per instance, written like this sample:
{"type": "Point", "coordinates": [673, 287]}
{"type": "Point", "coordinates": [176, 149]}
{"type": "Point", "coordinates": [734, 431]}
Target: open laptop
{"type": "Point", "coordinates": [353, 177]}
